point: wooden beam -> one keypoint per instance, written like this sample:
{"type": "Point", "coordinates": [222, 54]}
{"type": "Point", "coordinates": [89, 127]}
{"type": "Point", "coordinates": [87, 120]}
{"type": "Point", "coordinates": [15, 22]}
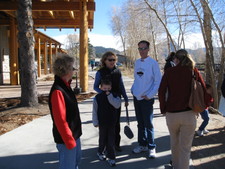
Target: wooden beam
{"type": "Point", "coordinates": [13, 53]}
{"type": "Point", "coordinates": [68, 23]}
{"type": "Point", "coordinates": [38, 56]}
{"type": "Point", "coordinates": [71, 14]}
{"type": "Point", "coordinates": [84, 46]}
{"type": "Point", "coordinates": [45, 58]}
{"type": "Point", "coordinates": [48, 6]}
{"type": "Point", "coordinates": [50, 57]}
{"type": "Point", "coordinates": [55, 22]}
{"type": "Point", "coordinates": [11, 13]}
{"type": "Point", "coordinates": [51, 13]}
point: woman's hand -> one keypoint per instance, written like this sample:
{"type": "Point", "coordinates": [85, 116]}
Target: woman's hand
{"type": "Point", "coordinates": [126, 104]}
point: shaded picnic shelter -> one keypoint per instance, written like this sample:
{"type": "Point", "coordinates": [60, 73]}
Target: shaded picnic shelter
{"type": "Point", "coordinates": [47, 14]}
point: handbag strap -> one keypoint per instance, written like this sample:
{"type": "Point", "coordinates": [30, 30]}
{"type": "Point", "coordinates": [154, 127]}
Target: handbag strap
{"type": "Point", "coordinates": [194, 74]}
{"type": "Point", "coordinates": [128, 122]}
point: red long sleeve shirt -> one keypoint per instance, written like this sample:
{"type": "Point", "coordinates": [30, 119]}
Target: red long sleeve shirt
{"type": "Point", "coordinates": [59, 115]}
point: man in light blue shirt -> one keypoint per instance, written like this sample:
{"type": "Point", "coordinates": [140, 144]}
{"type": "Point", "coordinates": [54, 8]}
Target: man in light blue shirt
{"type": "Point", "coordinates": [147, 77]}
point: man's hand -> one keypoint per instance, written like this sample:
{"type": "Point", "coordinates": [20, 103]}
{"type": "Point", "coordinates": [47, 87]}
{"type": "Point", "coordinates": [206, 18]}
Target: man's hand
{"type": "Point", "coordinates": [145, 97]}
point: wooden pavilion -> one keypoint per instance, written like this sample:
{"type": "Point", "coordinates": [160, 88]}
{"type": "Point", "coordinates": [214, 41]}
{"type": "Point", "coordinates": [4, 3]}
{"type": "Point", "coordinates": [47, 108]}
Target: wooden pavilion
{"type": "Point", "coordinates": [75, 14]}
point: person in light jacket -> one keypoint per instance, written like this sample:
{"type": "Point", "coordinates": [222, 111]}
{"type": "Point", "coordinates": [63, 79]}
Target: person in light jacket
{"type": "Point", "coordinates": [147, 77]}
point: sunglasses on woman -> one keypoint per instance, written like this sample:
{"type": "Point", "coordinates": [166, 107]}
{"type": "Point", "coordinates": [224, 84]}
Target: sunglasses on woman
{"type": "Point", "coordinates": [111, 60]}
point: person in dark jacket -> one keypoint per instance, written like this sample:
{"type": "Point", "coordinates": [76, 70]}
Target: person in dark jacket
{"type": "Point", "coordinates": [104, 115]}
{"type": "Point", "coordinates": [223, 88]}
{"type": "Point", "coordinates": [109, 71]}
{"type": "Point", "coordinates": [222, 98]}
{"type": "Point", "coordinates": [180, 119]}
{"type": "Point", "coordinates": [205, 114]}
{"type": "Point", "coordinates": [65, 114]}
{"type": "Point", "coordinates": [169, 61]}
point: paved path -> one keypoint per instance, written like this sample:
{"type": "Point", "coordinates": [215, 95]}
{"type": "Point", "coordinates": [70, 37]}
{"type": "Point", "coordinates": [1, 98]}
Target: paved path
{"type": "Point", "coordinates": [31, 146]}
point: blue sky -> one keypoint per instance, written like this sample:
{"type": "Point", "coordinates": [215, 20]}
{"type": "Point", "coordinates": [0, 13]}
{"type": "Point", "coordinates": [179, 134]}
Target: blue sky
{"type": "Point", "coordinates": [102, 15]}
{"type": "Point", "coordinates": [101, 34]}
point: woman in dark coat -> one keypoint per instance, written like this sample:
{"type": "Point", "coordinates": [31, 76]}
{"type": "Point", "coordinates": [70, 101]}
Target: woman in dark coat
{"type": "Point", "coordinates": [109, 71]}
{"type": "Point", "coordinates": [65, 114]}
{"type": "Point", "coordinates": [174, 94]}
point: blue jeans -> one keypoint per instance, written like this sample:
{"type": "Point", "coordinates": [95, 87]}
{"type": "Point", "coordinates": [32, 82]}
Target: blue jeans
{"type": "Point", "coordinates": [144, 115]}
{"type": "Point", "coordinates": [205, 117]}
{"type": "Point", "coordinates": [69, 159]}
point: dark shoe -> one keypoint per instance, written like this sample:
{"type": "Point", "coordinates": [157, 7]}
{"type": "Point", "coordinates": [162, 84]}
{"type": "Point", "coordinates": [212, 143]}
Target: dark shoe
{"type": "Point", "coordinates": [118, 149]}
{"type": "Point", "coordinates": [101, 156]}
{"type": "Point", "coordinates": [112, 162]}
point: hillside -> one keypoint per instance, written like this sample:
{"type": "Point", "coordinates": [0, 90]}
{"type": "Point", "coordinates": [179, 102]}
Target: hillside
{"type": "Point", "coordinates": [99, 51]}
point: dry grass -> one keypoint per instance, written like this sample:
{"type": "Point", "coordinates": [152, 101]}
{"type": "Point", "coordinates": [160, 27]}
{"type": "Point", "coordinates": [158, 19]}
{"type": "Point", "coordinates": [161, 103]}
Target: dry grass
{"type": "Point", "coordinates": [129, 72]}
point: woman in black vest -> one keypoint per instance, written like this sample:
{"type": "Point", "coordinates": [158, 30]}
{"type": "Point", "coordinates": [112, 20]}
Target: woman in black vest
{"type": "Point", "coordinates": [65, 114]}
{"type": "Point", "coordinates": [109, 71]}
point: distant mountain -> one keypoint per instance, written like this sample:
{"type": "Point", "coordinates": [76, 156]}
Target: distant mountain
{"type": "Point", "coordinates": [99, 51]}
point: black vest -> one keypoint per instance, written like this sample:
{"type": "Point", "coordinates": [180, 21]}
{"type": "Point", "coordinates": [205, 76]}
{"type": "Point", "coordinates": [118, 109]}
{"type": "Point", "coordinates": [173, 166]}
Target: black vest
{"type": "Point", "coordinates": [72, 111]}
{"type": "Point", "coordinates": [114, 76]}
{"type": "Point", "coordinates": [106, 112]}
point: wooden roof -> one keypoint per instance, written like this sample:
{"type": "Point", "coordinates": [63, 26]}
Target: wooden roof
{"type": "Point", "coordinates": [50, 13]}
{"type": "Point", "coordinates": [45, 37]}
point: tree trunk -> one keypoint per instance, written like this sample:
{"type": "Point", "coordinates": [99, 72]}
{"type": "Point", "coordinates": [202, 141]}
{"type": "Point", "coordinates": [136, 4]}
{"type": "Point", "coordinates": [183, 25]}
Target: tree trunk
{"type": "Point", "coordinates": [210, 71]}
{"type": "Point", "coordinates": [221, 72]}
{"type": "Point", "coordinates": [209, 59]}
{"type": "Point", "coordinates": [26, 54]}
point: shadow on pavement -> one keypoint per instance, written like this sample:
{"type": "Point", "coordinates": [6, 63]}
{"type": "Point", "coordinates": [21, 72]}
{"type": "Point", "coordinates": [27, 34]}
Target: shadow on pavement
{"type": "Point", "coordinates": [128, 160]}
{"type": "Point", "coordinates": [30, 161]}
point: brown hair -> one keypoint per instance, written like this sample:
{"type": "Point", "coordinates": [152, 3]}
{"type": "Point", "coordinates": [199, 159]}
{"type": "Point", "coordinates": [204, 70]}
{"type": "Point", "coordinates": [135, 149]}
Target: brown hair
{"type": "Point", "coordinates": [184, 58]}
{"type": "Point", "coordinates": [106, 82]}
{"type": "Point", "coordinates": [105, 56]}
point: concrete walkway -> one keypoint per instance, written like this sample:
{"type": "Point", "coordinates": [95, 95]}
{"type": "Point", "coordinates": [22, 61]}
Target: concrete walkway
{"type": "Point", "coordinates": [31, 146]}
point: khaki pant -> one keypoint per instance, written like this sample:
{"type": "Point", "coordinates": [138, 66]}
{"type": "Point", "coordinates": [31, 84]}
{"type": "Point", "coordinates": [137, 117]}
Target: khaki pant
{"type": "Point", "coordinates": [181, 126]}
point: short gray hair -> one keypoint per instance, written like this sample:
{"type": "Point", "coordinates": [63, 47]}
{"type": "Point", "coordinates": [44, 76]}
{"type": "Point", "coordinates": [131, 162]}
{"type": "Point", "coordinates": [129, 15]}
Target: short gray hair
{"type": "Point", "coordinates": [62, 65]}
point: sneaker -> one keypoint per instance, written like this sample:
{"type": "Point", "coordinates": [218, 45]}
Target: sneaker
{"type": "Point", "coordinates": [205, 131]}
{"type": "Point", "coordinates": [140, 149]}
{"type": "Point", "coordinates": [199, 133]}
{"type": "Point", "coordinates": [152, 153]}
{"type": "Point", "coordinates": [101, 156]}
{"type": "Point", "coordinates": [112, 162]}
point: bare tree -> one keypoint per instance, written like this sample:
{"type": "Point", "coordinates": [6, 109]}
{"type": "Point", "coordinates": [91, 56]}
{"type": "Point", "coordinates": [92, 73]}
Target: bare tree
{"type": "Point", "coordinates": [219, 30]}
{"type": "Point", "coordinates": [161, 21]}
{"type": "Point", "coordinates": [166, 22]}
{"type": "Point", "coordinates": [206, 28]}
{"type": "Point", "coordinates": [26, 53]}
{"type": "Point", "coordinates": [72, 47]}
{"type": "Point", "coordinates": [118, 27]}
{"type": "Point", "coordinates": [180, 16]}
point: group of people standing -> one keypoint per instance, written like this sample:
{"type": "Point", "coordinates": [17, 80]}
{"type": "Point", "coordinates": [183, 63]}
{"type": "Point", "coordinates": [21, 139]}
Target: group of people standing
{"type": "Point", "coordinates": [173, 90]}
